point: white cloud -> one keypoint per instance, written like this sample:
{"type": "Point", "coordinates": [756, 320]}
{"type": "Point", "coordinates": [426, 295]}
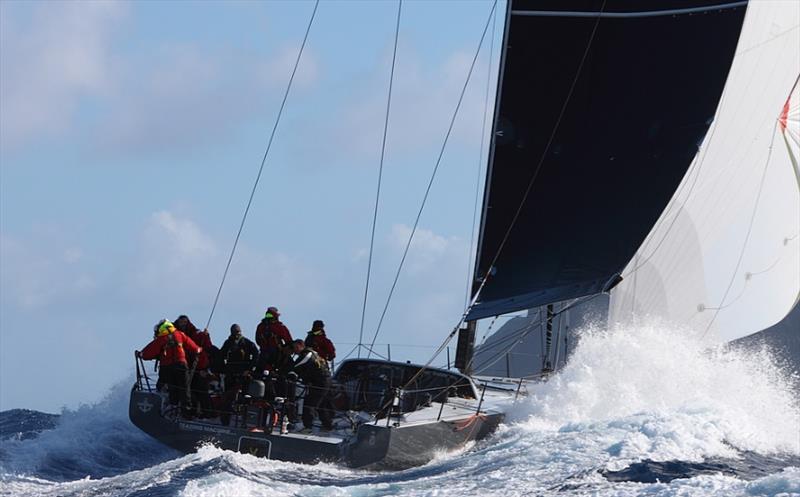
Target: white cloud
{"type": "Point", "coordinates": [184, 238]}
{"type": "Point", "coordinates": [428, 250]}
{"type": "Point", "coordinates": [48, 63]}
{"type": "Point", "coordinates": [179, 266]}
{"type": "Point", "coordinates": [37, 272]}
{"type": "Point", "coordinates": [68, 58]}
{"type": "Point", "coordinates": [72, 255]}
{"type": "Point", "coordinates": [276, 71]}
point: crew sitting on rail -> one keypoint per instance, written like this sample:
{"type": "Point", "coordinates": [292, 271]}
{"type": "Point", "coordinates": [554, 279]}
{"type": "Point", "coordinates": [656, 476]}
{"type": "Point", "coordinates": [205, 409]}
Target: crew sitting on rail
{"type": "Point", "coordinates": [198, 365]}
{"type": "Point", "coordinates": [313, 370]}
{"type": "Point", "coordinates": [318, 340]}
{"type": "Point", "coordinates": [169, 346]}
{"type": "Point", "coordinates": [241, 357]}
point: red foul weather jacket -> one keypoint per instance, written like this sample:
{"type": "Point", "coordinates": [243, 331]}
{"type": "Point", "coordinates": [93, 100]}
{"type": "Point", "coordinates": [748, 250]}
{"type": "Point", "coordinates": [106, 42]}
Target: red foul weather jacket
{"type": "Point", "coordinates": [270, 333]}
{"type": "Point", "coordinates": [169, 348]}
{"type": "Point", "coordinates": [203, 340]}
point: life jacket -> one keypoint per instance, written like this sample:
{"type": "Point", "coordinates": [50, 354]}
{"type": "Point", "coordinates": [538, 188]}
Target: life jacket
{"type": "Point", "coordinates": [169, 348]}
{"type": "Point", "coordinates": [217, 362]}
{"type": "Point", "coordinates": [318, 341]}
{"type": "Point", "coordinates": [269, 342]}
{"type": "Point", "coordinates": [239, 354]}
{"type": "Point", "coordinates": [311, 367]}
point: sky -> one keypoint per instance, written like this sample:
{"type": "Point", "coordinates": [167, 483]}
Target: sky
{"type": "Point", "coordinates": [130, 137]}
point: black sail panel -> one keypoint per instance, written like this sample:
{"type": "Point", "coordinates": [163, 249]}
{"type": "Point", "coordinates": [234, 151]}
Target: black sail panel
{"type": "Point", "coordinates": [640, 107]}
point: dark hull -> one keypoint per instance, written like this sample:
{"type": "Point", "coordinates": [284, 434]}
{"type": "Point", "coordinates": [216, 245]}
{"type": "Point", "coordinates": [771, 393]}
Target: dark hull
{"type": "Point", "coordinates": [390, 447]}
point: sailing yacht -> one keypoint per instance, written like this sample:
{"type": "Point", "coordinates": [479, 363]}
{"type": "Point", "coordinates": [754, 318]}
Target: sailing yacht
{"type": "Point", "coordinates": [605, 113]}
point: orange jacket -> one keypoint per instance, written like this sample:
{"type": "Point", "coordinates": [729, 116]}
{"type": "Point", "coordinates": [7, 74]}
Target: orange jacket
{"type": "Point", "coordinates": [169, 348]}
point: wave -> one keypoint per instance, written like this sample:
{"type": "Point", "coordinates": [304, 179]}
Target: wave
{"type": "Point", "coordinates": [94, 440]}
{"type": "Point", "coordinates": [25, 424]}
{"type": "Point", "coordinates": [691, 419]}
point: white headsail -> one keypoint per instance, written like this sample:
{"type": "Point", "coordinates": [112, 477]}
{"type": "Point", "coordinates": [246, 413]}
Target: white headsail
{"type": "Point", "coordinates": [724, 258]}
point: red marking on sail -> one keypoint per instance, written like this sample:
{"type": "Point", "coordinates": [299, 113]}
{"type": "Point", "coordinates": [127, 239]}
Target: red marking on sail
{"type": "Point", "coordinates": [784, 115]}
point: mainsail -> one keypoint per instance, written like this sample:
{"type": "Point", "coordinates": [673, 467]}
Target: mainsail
{"type": "Point", "coordinates": [724, 258]}
{"type": "Point", "coordinates": [601, 108]}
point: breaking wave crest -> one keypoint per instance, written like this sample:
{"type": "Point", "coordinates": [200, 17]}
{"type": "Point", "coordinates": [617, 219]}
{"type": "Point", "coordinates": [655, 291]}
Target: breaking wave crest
{"type": "Point", "coordinates": [669, 396]}
{"type": "Point", "coordinates": [627, 397]}
{"type": "Point", "coordinates": [94, 440]}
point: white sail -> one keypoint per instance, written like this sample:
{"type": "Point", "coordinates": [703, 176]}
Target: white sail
{"type": "Point", "coordinates": [724, 258]}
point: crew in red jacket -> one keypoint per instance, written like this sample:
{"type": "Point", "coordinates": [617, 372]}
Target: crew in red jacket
{"type": "Point", "coordinates": [317, 340]}
{"type": "Point", "coordinates": [200, 376]}
{"type": "Point", "coordinates": [169, 346]}
{"type": "Point", "coordinates": [275, 342]}
{"type": "Point", "coordinates": [201, 338]}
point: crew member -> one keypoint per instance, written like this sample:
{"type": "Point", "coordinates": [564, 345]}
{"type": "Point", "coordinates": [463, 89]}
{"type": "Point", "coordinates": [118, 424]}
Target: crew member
{"type": "Point", "coordinates": [200, 375]}
{"type": "Point", "coordinates": [275, 342]}
{"type": "Point", "coordinates": [169, 346]}
{"type": "Point", "coordinates": [240, 356]}
{"type": "Point", "coordinates": [313, 370]}
{"type": "Point", "coordinates": [318, 340]}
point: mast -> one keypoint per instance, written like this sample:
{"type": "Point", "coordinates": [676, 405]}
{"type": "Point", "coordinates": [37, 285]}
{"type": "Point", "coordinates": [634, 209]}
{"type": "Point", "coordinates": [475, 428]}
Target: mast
{"type": "Point", "coordinates": [468, 331]}
{"type": "Point", "coordinates": [547, 365]}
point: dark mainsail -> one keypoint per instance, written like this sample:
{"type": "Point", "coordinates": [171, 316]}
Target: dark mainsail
{"type": "Point", "coordinates": [642, 102]}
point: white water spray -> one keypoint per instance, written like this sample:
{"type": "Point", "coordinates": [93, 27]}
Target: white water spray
{"type": "Point", "coordinates": [669, 396]}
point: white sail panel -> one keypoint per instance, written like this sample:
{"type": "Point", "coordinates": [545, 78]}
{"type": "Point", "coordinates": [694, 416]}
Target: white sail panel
{"type": "Point", "coordinates": [724, 258]}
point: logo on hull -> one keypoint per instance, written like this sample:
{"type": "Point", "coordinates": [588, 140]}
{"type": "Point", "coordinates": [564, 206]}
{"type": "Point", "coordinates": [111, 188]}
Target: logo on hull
{"type": "Point", "coordinates": [145, 406]}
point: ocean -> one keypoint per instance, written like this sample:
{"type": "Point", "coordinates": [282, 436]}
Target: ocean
{"type": "Point", "coordinates": [642, 411]}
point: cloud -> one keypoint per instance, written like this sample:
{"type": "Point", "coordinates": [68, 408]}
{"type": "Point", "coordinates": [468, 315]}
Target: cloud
{"type": "Point", "coordinates": [179, 266]}
{"type": "Point", "coordinates": [429, 296]}
{"type": "Point", "coordinates": [428, 250]}
{"type": "Point", "coordinates": [180, 94]}
{"type": "Point", "coordinates": [66, 70]}
{"type": "Point", "coordinates": [50, 61]}
{"type": "Point", "coordinates": [423, 101]}
{"type": "Point", "coordinates": [41, 271]}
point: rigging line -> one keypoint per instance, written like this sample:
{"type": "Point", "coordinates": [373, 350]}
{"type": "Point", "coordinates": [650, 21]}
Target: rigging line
{"type": "Point", "coordinates": [470, 264]}
{"type": "Point", "coordinates": [263, 162]}
{"type": "Point", "coordinates": [698, 167]}
{"type": "Point", "coordinates": [747, 235]}
{"type": "Point", "coordinates": [433, 174]}
{"type": "Point", "coordinates": [349, 353]}
{"type": "Point", "coordinates": [483, 367]}
{"type": "Point", "coordinates": [380, 176]}
{"type": "Point", "coordinates": [549, 142]}
{"type": "Point", "coordinates": [698, 170]}
{"type": "Point", "coordinates": [703, 205]}
{"type": "Point", "coordinates": [738, 166]}
{"type": "Point", "coordinates": [748, 276]}
{"type": "Point", "coordinates": [514, 339]}
{"type": "Point", "coordinates": [527, 192]}
{"type": "Point", "coordinates": [486, 333]}
{"type": "Point", "coordinates": [513, 335]}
